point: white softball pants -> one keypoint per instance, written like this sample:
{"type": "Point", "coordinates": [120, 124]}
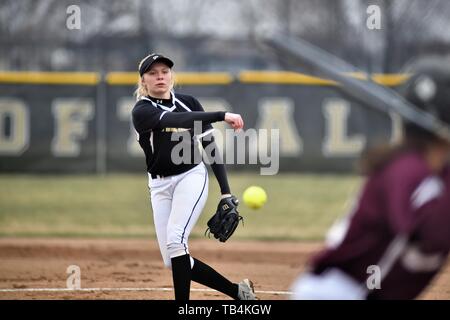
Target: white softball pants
{"type": "Point", "coordinates": [332, 284]}
{"type": "Point", "coordinates": [177, 202]}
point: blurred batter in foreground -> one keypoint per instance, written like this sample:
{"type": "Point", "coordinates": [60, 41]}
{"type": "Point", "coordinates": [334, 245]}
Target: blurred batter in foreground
{"type": "Point", "coordinates": [397, 237]}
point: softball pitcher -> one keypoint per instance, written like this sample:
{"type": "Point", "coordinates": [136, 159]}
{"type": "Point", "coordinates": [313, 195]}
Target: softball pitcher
{"type": "Point", "coordinates": [178, 191]}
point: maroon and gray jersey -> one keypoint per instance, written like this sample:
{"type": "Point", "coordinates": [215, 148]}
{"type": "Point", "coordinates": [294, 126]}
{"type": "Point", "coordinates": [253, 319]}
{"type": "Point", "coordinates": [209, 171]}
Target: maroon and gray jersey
{"type": "Point", "coordinates": [400, 224]}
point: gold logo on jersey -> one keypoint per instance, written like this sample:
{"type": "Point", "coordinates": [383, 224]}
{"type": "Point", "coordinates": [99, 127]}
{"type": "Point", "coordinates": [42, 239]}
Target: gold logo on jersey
{"type": "Point", "coordinates": [174, 129]}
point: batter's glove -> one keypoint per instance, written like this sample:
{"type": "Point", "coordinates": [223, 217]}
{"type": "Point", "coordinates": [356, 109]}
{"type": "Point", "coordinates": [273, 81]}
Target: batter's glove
{"type": "Point", "coordinates": [226, 219]}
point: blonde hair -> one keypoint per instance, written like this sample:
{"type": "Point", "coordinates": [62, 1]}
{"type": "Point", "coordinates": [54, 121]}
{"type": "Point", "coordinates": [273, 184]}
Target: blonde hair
{"type": "Point", "coordinates": [141, 90]}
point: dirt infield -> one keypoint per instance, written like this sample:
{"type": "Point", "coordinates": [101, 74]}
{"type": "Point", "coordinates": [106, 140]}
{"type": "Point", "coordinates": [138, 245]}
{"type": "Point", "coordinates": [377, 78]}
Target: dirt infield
{"type": "Point", "coordinates": [136, 267]}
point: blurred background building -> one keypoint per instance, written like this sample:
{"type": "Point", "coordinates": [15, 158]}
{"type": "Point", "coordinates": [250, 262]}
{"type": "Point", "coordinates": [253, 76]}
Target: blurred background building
{"type": "Point", "coordinates": [214, 35]}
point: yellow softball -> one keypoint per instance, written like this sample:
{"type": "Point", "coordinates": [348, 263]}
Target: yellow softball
{"type": "Point", "coordinates": [254, 197]}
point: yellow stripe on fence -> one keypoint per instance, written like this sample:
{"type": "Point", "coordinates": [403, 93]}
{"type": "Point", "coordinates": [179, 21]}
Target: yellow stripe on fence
{"type": "Point", "coordinates": [181, 78]}
{"type": "Point", "coordinates": [190, 78]}
{"type": "Point", "coordinates": [82, 78]}
{"type": "Point", "coordinates": [122, 78]}
{"type": "Point", "coordinates": [285, 77]}
{"type": "Point", "coordinates": [281, 77]}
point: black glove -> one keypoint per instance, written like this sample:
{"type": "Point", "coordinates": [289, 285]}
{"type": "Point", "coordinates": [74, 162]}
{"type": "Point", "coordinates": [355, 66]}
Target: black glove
{"type": "Point", "coordinates": [226, 219]}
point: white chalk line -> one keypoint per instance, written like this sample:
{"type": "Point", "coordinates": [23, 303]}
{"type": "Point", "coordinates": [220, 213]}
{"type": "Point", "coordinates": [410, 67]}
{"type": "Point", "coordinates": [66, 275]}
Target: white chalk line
{"type": "Point", "coordinates": [124, 289]}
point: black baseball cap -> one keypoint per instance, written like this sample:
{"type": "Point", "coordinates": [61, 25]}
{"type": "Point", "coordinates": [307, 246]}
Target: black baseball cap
{"type": "Point", "coordinates": [151, 59]}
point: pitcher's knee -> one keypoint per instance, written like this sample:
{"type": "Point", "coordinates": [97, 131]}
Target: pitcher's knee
{"type": "Point", "coordinates": [167, 262]}
{"type": "Point", "coordinates": [176, 249]}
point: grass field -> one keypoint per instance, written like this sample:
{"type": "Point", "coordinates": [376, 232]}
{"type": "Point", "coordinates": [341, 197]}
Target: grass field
{"type": "Point", "coordinates": [299, 207]}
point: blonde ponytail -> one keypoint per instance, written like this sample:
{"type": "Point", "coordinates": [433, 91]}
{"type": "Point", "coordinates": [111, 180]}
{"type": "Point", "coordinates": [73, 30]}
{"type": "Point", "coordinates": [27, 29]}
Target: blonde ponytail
{"type": "Point", "coordinates": [141, 90]}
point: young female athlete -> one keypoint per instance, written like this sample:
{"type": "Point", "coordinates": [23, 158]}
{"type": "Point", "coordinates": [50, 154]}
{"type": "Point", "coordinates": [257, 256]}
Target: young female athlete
{"type": "Point", "coordinates": [397, 237]}
{"type": "Point", "coordinates": [179, 183]}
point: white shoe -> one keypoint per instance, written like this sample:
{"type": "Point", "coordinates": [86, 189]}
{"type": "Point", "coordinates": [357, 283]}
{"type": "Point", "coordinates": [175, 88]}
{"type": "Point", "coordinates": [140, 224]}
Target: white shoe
{"type": "Point", "coordinates": [246, 290]}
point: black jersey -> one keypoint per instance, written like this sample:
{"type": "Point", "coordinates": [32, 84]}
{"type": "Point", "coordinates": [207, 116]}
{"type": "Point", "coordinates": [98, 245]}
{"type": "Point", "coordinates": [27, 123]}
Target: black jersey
{"type": "Point", "coordinates": [156, 121]}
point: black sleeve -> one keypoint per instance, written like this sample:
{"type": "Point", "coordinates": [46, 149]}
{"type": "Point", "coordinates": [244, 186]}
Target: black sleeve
{"type": "Point", "coordinates": [147, 117]}
{"type": "Point", "coordinates": [195, 105]}
{"type": "Point", "coordinates": [187, 119]}
{"type": "Point", "coordinates": [217, 167]}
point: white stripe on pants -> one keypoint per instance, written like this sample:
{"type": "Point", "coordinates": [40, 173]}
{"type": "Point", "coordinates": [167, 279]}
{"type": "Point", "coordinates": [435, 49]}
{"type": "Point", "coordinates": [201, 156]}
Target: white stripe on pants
{"type": "Point", "coordinates": [177, 202]}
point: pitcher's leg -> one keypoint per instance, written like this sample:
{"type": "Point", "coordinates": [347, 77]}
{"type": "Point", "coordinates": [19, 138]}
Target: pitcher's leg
{"type": "Point", "coordinates": [207, 276]}
{"type": "Point", "coordinates": [189, 198]}
{"type": "Point", "coordinates": [161, 201]}
{"type": "Point", "coordinates": [181, 224]}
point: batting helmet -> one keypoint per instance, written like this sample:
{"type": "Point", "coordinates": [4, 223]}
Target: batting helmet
{"type": "Point", "coordinates": [428, 88]}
